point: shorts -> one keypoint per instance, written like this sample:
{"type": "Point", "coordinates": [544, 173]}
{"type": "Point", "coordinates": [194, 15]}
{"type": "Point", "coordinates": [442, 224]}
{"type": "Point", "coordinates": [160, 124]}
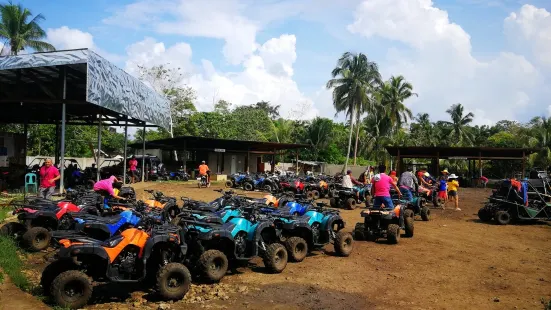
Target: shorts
{"type": "Point", "coordinates": [442, 194]}
{"type": "Point", "coordinates": [133, 173]}
{"type": "Point", "coordinates": [452, 193]}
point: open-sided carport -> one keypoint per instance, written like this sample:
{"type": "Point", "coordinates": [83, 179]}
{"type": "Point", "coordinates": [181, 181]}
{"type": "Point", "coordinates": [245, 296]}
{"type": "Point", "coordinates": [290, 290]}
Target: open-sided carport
{"type": "Point", "coordinates": [76, 87]}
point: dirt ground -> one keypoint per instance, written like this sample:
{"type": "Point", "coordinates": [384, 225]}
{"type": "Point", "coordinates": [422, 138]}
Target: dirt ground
{"type": "Point", "coordinates": [452, 262]}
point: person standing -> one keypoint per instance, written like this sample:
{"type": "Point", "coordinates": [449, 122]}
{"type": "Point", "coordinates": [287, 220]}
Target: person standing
{"type": "Point", "coordinates": [48, 176]}
{"type": "Point", "coordinates": [381, 189]}
{"type": "Point", "coordinates": [453, 186]}
{"type": "Point", "coordinates": [133, 164]}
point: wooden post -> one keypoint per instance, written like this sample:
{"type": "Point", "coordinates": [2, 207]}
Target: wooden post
{"type": "Point", "coordinates": [398, 162]}
{"type": "Point", "coordinates": [523, 163]}
{"type": "Point", "coordinates": [480, 164]}
{"type": "Point", "coordinates": [437, 163]}
{"type": "Point", "coordinates": [297, 162]}
{"type": "Point", "coordinates": [273, 161]}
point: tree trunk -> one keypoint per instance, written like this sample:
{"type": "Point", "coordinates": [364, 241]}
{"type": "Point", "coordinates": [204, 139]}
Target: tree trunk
{"type": "Point", "coordinates": [172, 136]}
{"type": "Point", "coordinates": [349, 139]}
{"type": "Point", "coordinates": [357, 137]}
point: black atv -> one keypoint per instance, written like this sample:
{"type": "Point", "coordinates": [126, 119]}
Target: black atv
{"type": "Point", "coordinates": [350, 198]}
{"type": "Point", "coordinates": [385, 223]}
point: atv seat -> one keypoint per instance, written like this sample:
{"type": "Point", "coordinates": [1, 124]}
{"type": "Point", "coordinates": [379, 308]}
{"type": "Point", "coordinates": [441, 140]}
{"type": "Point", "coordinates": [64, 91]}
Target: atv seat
{"type": "Point", "coordinates": [106, 220]}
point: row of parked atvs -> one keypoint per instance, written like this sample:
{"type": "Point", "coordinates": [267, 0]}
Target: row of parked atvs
{"type": "Point", "coordinates": [156, 242]}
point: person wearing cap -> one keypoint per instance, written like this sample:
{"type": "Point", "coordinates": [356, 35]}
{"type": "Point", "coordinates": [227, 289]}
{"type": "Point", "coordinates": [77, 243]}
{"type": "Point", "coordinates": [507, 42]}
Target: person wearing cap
{"type": "Point", "coordinates": [407, 184]}
{"type": "Point", "coordinates": [203, 171]}
{"type": "Point", "coordinates": [393, 176]}
{"type": "Point", "coordinates": [453, 186]}
{"type": "Point", "coordinates": [381, 189]}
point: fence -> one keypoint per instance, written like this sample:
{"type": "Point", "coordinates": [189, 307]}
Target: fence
{"type": "Point", "coordinates": [82, 161]}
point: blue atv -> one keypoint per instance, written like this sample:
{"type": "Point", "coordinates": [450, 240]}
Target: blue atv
{"type": "Point", "coordinates": [349, 198]}
{"type": "Point", "coordinates": [227, 199]}
{"type": "Point", "coordinates": [240, 238]}
{"type": "Point", "coordinates": [417, 205]}
{"type": "Point", "coordinates": [236, 180]}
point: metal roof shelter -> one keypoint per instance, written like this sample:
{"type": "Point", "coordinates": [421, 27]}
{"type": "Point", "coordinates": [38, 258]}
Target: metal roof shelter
{"type": "Point", "coordinates": [76, 87]}
{"type": "Point", "coordinates": [467, 153]}
{"type": "Point", "coordinates": [191, 143]}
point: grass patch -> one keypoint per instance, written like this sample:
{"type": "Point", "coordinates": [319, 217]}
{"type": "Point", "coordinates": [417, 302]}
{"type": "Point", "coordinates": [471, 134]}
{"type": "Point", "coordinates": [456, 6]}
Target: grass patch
{"type": "Point", "coordinates": [4, 213]}
{"type": "Point", "coordinates": [11, 263]}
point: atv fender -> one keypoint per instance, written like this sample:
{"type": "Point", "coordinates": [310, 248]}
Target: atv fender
{"type": "Point", "coordinates": [330, 221]}
{"type": "Point", "coordinates": [265, 232]}
{"type": "Point", "coordinates": [160, 239]}
{"type": "Point", "coordinates": [88, 249]}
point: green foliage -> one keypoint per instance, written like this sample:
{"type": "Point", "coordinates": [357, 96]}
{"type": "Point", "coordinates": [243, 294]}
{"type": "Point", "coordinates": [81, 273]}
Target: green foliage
{"type": "Point", "coordinates": [21, 30]}
{"type": "Point", "coordinates": [11, 263]}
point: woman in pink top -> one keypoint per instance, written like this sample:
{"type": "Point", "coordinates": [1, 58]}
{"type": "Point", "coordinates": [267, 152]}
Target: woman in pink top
{"type": "Point", "coordinates": [381, 189]}
{"type": "Point", "coordinates": [48, 176]}
{"type": "Point", "coordinates": [133, 164]}
{"type": "Point", "coordinates": [106, 187]}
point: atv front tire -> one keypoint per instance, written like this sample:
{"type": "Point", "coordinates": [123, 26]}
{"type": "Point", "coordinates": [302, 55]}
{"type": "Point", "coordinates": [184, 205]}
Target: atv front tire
{"type": "Point", "coordinates": [425, 213]}
{"type": "Point", "coordinates": [37, 239]}
{"type": "Point", "coordinates": [351, 204]}
{"type": "Point", "coordinates": [173, 281]}
{"type": "Point", "coordinates": [502, 217]}
{"type": "Point", "coordinates": [248, 187]}
{"type": "Point", "coordinates": [343, 243]}
{"type": "Point", "coordinates": [12, 230]}
{"type": "Point", "coordinates": [275, 258]}
{"type": "Point", "coordinates": [409, 225]}
{"type": "Point", "coordinates": [51, 272]}
{"type": "Point", "coordinates": [268, 188]}
{"type": "Point", "coordinates": [297, 249]}
{"type": "Point", "coordinates": [213, 265]}
{"type": "Point", "coordinates": [71, 289]}
{"type": "Point", "coordinates": [359, 232]}
{"type": "Point", "coordinates": [333, 202]}
{"type": "Point", "coordinates": [393, 233]}
{"type": "Point", "coordinates": [228, 184]}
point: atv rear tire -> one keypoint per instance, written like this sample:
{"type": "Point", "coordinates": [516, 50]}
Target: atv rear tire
{"type": "Point", "coordinates": [268, 188]}
{"type": "Point", "coordinates": [359, 232]}
{"type": "Point", "coordinates": [228, 184]}
{"type": "Point", "coordinates": [12, 230]}
{"type": "Point", "coordinates": [425, 213]}
{"type": "Point", "coordinates": [275, 258]}
{"type": "Point", "coordinates": [393, 233]}
{"type": "Point", "coordinates": [343, 243]}
{"type": "Point", "coordinates": [333, 202]}
{"type": "Point", "coordinates": [37, 239]}
{"type": "Point", "coordinates": [409, 225]}
{"type": "Point", "coordinates": [502, 217]}
{"type": "Point", "coordinates": [173, 281]}
{"type": "Point", "coordinates": [351, 204]}
{"type": "Point", "coordinates": [484, 215]}
{"type": "Point", "coordinates": [297, 249]}
{"type": "Point", "coordinates": [213, 265]}
{"type": "Point", "coordinates": [409, 213]}
{"type": "Point", "coordinates": [71, 289]}
{"type": "Point", "coordinates": [309, 195]}
{"type": "Point", "coordinates": [248, 186]}
{"type": "Point", "coordinates": [315, 194]}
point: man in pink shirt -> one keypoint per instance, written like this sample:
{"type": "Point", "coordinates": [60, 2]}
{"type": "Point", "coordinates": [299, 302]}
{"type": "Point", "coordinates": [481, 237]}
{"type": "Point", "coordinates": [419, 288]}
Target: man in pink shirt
{"type": "Point", "coordinates": [106, 187]}
{"type": "Point", "coordinates": [48, 176]}
{"type": "Point", "coordinates": [381, 189]}
{"type": "Point", "coordinates": [133, 164]}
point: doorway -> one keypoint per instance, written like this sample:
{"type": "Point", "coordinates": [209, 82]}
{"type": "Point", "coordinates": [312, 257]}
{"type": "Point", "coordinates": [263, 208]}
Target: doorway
{"type": "Point", "coordinates": [233, 165]}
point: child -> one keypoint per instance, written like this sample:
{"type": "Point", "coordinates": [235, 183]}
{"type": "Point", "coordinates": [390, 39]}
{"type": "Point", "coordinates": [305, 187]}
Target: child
{"type": "Point", "coordinates": [453, 186]}
{"type": "Point", "coordinates": [442, 189]}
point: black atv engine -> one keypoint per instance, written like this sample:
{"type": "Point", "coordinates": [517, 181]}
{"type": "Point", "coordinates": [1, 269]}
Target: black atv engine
{"type": "Point", "coordinates": [241, 244]}
{"type": "Point", "coordinates": [126, 263]}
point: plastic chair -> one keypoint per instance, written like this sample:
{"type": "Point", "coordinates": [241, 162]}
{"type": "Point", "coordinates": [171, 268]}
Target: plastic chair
{"type": "Point", "coordinates": [30, 182]}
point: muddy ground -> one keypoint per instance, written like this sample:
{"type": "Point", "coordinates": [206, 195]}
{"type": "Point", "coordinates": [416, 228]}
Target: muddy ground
{"type": "Point", "coordinates": [452, 262]}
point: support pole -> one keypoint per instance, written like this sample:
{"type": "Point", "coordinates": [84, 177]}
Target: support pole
{"type": "Point", "coordinates": [184, 158]}
{"type": "Point", "coordinates": [56, 151]}
{"type": "Point", "coordinates": [143, 154]}
{"type": "Point", "coordinates": [125, 152]}
{"type": "Point", "coordinates": [247, 163]}
{"type": "Point", "coordinates": [398, 162]}
{"type": "Point", "coordinates": [26, 133]}
{"type": "Point", "coordinates": [62, 146]}
{"type": "Point", "coordinates": [273, 161]}
{"type": "Point", "coordinates": [437, 163]}
{"type": "Point", "coordinates": [99, 148]}
{"type": "Point", "coordinates": [480, 164]}
{"type": "Point", "coordinates": [523, 164]}
{"type": "Point", "coordinates": [297, 162]}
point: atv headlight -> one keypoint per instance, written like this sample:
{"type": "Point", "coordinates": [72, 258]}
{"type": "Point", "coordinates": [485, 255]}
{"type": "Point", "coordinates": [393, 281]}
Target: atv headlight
{"type": "Point", "coordinates": [113, 242]}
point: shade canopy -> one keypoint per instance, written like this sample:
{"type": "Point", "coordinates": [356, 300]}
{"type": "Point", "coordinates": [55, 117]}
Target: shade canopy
{"type": "Point", "coordinates": [34, 86]}
{"type": "Point", "coordinates": [212, 144]}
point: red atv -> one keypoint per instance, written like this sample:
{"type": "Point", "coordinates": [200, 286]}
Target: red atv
{"type": "Point", "coordinates": [292, 187]}
{"type": "Point", "coordinates": [36, 219]}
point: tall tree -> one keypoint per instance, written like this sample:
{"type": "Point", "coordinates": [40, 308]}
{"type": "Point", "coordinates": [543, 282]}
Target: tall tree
{"type": "Point", "coordinates": [20, 30]}
{"type": "Point", "coordinates": [353, 80]}
{"type": "Point", "coordinates": [394, 92]}
{"type": "Point", "coordinates": [271, 110]}
{"type": "Point", "coordinates": [459, 123]}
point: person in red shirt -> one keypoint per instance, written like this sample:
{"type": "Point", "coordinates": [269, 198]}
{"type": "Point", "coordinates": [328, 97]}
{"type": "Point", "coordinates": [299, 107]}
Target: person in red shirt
{"type": "Point", "coordinates": [48, 176]}
{"type": "Point", "coordinates": [133, 164]}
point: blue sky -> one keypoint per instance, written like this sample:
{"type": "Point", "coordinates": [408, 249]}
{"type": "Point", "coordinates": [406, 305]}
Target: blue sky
{"type": "Point", "coordinates": [468, 51]}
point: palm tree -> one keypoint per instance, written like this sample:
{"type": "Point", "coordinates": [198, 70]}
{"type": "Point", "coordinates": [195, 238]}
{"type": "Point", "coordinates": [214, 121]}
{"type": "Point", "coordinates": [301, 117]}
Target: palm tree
{"type": "Point", "coordinates": [19, 32]}
{"type": "Point", "coordinates": [318, 134]}
{"type": "Point", "coordinates": [459, 130]}
{"type": "Point", "coordinates": [354, 79]}
{"type": "Point", "coordinates": [394, 92]}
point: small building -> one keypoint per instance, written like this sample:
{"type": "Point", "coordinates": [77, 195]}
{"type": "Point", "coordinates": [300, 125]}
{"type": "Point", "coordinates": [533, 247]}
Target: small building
{"type": "Point", "coordinates": [223, 156]}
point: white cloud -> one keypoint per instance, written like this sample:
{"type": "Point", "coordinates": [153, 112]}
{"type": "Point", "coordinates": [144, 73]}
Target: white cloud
{"type": "Point", "coordinates": [439, 63]}
{"type": "Point", "coordinates": [65, 38]}
{"type": "Point", "coordinates": [531, 26]}
{"type": "Point", "coordinates": [267, 75]}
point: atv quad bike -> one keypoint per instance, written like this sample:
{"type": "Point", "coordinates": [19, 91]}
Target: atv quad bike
{"type": "Point", "coordinates": [384, 223]}
{"type": "Point", "coordinates": [133, 256]}
{"type": "Point", "coordinates": [417, 205]}
{"type": "Point", "coordinates": [160, 201]}
{"type": "Point", "coordinates": [349, 199]}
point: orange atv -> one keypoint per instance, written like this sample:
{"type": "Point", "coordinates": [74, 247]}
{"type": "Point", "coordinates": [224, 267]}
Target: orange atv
{"type": "Point", "coordinates": [275, 200]}
{"type": "Point", "coordinates": [160, 201]}
{"type": "Point", "coordinates": [132, 256]}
